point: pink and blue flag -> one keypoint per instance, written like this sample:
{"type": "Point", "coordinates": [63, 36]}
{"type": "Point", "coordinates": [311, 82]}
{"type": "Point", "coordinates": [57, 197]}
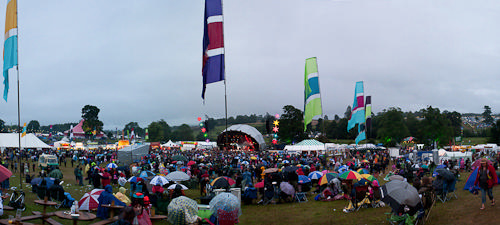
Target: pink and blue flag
{"type": "Point", "coordinates": [213, 44]}
{"type": "Point", "coordinates": [358, 112]}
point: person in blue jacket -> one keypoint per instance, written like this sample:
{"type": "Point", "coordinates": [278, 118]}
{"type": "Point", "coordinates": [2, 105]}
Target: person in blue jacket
{"type": "Point", "coordinates": [106, 198]}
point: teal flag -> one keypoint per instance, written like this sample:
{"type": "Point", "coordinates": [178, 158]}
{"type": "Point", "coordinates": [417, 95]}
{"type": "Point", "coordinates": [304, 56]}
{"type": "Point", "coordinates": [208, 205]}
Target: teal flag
{"type": "Point", "coordinates": [312, 96]}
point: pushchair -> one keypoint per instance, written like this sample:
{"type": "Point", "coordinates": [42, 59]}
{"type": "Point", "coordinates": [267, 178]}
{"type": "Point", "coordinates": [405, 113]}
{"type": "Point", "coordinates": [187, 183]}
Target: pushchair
{"type": "Point", "coordinates": [17, 200]}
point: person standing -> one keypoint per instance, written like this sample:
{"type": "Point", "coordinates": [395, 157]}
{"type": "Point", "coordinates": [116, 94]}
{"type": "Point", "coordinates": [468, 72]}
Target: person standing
{"type": "Point", "coordinates": [486, 178]}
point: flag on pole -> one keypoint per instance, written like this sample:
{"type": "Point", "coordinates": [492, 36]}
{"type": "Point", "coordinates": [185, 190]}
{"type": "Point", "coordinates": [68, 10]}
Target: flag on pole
{"type": "Point", "coordinates": [10, 44]}
{"type": "Point", "coordinates": [358, 112]}
{"type": "Point", "coordinates": [50, 131]}
{"type": "Point", "coordinates": [213, 44]}
{"type": "Point", "coordinates": [147, 134]}
{"type": "Point", "coordinates": [71, 133]}
{"type": "Point", "coordinates": [368, 109]}
{"type": "Point", "coordinates": [132, 134]}
{"type": "Point", "coordinates": [24, 130]}
{"type": "Point", "coordinates": [312, 96]}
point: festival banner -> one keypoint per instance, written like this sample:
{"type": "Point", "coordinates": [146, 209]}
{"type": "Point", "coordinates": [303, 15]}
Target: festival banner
{"type": "Point", "coordinates": [10, 44]}
{"type": "Point", "coordinates": [213, 44]}
{"type": "Point", "coordinates": [312, 96]}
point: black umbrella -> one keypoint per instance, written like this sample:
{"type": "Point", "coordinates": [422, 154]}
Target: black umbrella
{"type": "Point", "coordinates": [179, 158]}
{"type": "Point", "coordinates": [446, 174]}
{"type": "Point", "coordinates": [221, 183]}
{"type": "Point", "coordinates": [399, 194]}
{"type": "Point", "coordinates": [290, 169]}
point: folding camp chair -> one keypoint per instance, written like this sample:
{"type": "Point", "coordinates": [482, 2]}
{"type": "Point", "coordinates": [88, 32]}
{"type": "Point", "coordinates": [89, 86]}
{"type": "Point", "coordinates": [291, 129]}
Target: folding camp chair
{"type": "Point", "coordinates": [451, 189]}
{"type": "Point", "coordinates": [300, 197]}
{"type": "Point", "coordinates": [440, 189]}
{"type": "Point", "coordinates": [361, 198]}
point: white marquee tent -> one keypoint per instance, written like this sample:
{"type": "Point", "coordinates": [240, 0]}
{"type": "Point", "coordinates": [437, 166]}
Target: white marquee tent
{"type": "Point", "coordinates": [306, 145]}
{"type": "Point", "coordinates": [11, 140]}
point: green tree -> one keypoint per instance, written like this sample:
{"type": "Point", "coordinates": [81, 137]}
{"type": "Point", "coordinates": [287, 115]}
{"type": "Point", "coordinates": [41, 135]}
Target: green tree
{"type": "Point", "coordinates": [495, 133]}
{"type": "Point", "coordinates": [435, 127]}
{"type": "Point", "coordinates": [455, 119]}
{"type": "Point", "coordinates": [2, 126]}
{"type": "Point", "coordinates": [291, 125]}
{"type": "Point", "coordinates": [392, 128]}
{"type": "Point", "coordinates": [159, 131]}
{"type": "Point", "coordinates": [347, 113]}
{"type": "Point", "coordinates": [488, 120]}
{"type": "Point", "coordinates": [137, 129]}
{"type": "Point", "coordinates": [183, 133]}
{"type": "Point", "coordinates": [412, 124]}
{"type": "Point", "coordinates": [33, 126]}
{"type": "Point", "coordinates": [92, 123]}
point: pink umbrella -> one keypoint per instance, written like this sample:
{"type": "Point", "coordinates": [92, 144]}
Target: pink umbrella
{"type": "Point", "coordinates": [89, 200]}
{"type": "Point", "coordinates": [324, 172]}
{"type": "Point", "coordinates": [190, 163]}
{"type": "Point", "coordinates": [4, 173]}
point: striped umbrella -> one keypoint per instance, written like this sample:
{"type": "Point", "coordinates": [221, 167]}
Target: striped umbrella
{"type": "Point", "coordinates": [369, 177]}
{"type": "Point", "coordinates": [325, 179]}
{"type": "Point", "coordinates": [350, 175]}
{"type": "Point", "coordinates": [89, 200]}
{"type": "Point", "coordinates": [111, 165]}
{"type": "Point", "coordinates": [315, 175]}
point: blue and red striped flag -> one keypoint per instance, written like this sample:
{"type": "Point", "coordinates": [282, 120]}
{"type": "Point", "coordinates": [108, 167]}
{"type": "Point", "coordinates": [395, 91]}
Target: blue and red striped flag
{"type": "Point", "coordinates": [213, 44]}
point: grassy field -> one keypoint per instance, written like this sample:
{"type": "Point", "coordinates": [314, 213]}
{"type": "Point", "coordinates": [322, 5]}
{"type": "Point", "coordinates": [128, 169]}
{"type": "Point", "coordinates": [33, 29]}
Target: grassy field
{"type": "Point", "coordinates": [464, 210]}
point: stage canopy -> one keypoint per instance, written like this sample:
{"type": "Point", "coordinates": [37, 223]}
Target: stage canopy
{"type": "Point", "coordinates": [242, 137]}
{"type": "Point", "coordinates": [306, 145]}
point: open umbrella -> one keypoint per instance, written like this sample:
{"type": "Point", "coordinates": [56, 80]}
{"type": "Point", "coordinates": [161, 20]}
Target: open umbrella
{"type": "Point", "coordinates": [398, 193]}
{"type": "Point", "coordinates": [363, 171]}
{"type": "Point", "coordinates": [315, 175]}
{"type": "Point", "coordinates": [325, 179]}
{"type": "Point", "coordinates": [396, 177]}
{"type": "Point", "coordinates": [146, 173]}
{"type": "Point", "coordinates": [222, 182]}
{"type": "Point", "coordinates": [245, 163]}
{"type": "Point", "coordinates": [159, 180]}
{"type": "Point", "coordinates": [171, 187]}
{"type": "Point", "coordinates": [446, 174]}
{"type": "Point", "coordinates": [287, 188]}
{"type": "Point", "coordinates": [111, 165]}
{"type": "Point", "coordinates": [133, 179]}
{"type": "Point", "coordinates": [343, 169]}
{"type": "Point", "coordinates": [182, 210]}
{"type": "Point", "coordinates": [177, 176]}
{"type": "Point", "coordinates": [36, 181]}
{"type": "Point", "coordinates": [179, 158]}
{"type": "Point", "coordinates": [89, 200]}
{"type": "Point", "coordinates": [122, 181]}
{"type": "Point", "coordinates": [271, 170]}
{"type": "Point", "coordinates": [369, 177]}
{"type": "Point", "coordinates": [4, 173]}
{"type": "Point", "coordinates": [303, 179]}
{"type": "Point", "coordinates": [190, 163]}
{"type": "Point", "coordinates": [350, 175]}
{"type": "Point", "coordinates": [226, 202]}
{"type": "Point", "coordinates": [290, 169]}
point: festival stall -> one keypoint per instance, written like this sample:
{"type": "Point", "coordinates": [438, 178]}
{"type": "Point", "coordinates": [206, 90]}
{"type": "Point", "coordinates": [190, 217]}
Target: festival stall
{"type": "Point", "coordinates": [132, 153]}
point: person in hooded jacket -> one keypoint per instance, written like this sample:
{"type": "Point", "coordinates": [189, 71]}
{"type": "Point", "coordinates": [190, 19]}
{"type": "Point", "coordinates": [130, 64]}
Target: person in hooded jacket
{"type": "Point", "coordinates": [106, 198]}
{"type": "Point", "coordinates": [486, 179]}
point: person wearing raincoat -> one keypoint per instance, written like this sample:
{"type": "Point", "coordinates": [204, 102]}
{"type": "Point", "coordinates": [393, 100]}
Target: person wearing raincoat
{"type": "Point", "coordinates": [122, 196]}
{"type": "Point", "coordinates": [486, 179]}
{"type": "Point", "coordinates": [106, 198]}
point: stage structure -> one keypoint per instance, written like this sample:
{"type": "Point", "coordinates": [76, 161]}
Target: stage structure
{"type": "Point", "coordinates": [241, 137]}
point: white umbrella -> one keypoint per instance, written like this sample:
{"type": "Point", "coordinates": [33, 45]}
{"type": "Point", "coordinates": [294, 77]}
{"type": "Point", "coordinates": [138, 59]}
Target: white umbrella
{"type": "Point", "coordinates": [171, 187]}
{"type": "Point", "coordinates": [122, 181]}
{"type": "Point", "coordinates": [178, 176]}
{"type": "Point", "coordinates": [161, 180]}
{"type": "Point", "coordinates": [111, 165]}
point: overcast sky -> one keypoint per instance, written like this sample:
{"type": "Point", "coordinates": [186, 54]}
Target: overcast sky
{"type": "Point", "coordinates": [141, 60]}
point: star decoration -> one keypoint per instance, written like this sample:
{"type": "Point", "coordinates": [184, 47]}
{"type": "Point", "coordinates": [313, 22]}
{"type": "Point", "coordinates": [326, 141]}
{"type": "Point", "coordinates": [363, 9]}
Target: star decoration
{"type": "Point", "coordinates": [276, 123]}
{"type": "Point", "coordinates": [275, 142]}
{"type": "Point", "coordinates": [275, 129]}
{"type": "Point", "coordinates": [203, 130]}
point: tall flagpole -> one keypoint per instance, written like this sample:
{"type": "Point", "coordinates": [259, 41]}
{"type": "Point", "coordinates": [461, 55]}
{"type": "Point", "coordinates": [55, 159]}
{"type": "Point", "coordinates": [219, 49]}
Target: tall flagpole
{"type": "Point", "coordinates": [225, 78]}
{"type": "Point", "coordinates": [18, 103]}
